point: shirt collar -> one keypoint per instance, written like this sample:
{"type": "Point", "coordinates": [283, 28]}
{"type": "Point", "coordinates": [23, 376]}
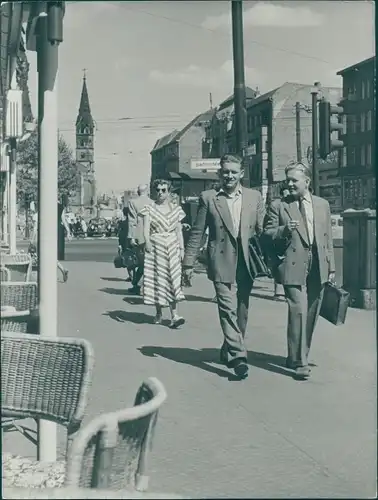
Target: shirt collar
{"type": "Point", "coordinates": [307, 197]}
{"type": "Point", "coordinates": [236, 193]}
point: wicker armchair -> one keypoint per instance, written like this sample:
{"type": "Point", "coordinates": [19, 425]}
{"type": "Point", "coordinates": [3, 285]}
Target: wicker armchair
{"type": "Point", "coordinates": [19, 265]}
{"type": "Point", "coordinates": [4, 274]}
{"type": "Point", "coordinates": [23, 297]}
{"type": "Point", "coordinates": [44, 378]}
{"type": "Point", "coordinates": [112, 451]}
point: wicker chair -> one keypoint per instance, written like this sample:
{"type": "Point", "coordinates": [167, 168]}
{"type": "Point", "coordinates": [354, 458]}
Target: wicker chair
{"type": "Point", "coordinates": [19, 265]}
{"type": "Point", "coordinates": [44, 378]}
{"type": "Point", "coordinates": [112, 451]}
{"type": "Point", "coordinates": [4, 274]}
{"type": "Point", "coordinates": [23, 297]}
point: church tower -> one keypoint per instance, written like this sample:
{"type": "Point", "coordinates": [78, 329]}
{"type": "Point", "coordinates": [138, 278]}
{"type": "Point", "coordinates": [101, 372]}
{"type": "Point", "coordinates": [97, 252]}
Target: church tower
{"type": "Point", "coordinates": [85, 128]}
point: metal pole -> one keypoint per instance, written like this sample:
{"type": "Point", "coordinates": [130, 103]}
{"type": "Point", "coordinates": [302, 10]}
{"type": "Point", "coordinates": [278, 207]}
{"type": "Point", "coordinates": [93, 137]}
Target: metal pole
{"type": "Point", "coordinates": [239, 78]}
{"type": "Point", "coordinates": [6, 205]}
{"type": "Point", "coordinates": [314, 94]}
{"type": "Point", "coordinates": [298, 130]}
{"type": "Point", "coordinates": [48, 195]}
{"type": "Point", "coordinates": [12, 196]}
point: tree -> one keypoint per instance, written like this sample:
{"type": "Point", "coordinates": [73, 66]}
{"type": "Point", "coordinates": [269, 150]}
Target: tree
{"type": "Point", "coordinates": [27, 169]}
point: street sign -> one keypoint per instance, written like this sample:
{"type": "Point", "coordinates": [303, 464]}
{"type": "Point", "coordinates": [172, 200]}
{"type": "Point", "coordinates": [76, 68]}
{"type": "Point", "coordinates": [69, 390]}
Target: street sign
{"type": "Point", "coordinates": [208, 164]}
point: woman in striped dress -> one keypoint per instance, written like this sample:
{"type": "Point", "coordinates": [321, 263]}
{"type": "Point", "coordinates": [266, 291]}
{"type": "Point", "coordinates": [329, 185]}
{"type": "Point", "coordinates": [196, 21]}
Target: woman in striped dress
{"type": "Point", "coordinates": [164, 250]}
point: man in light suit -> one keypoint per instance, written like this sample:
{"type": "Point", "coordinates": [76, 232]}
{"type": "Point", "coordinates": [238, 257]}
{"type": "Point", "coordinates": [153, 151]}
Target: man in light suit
{"type": "Point", "coordinates": [136, 232]}
{"type": "Point", "coordinates": [233, 214]}
{"type": "Point", "coordinates": [299, 232]}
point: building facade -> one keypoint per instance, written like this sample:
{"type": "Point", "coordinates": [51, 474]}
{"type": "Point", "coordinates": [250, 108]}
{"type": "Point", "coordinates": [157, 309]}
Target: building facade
{"type": "Point", "coordinates": [272, 140]}
{"type": "Point", "coordinates": [85, 200]}
{"type": "Point", "coordinates": [357, 159]}
{"type": "Point", "coordinates": [175, 155]}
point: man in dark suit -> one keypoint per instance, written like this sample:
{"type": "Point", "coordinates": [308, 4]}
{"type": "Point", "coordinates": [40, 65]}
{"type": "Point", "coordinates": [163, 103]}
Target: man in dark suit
{"type": "Point", "coordinates": [233, 215]}
{"type": "Point", "coordinates": [298, 229]}
{"type": "Point", "coordinates": [136, 232]}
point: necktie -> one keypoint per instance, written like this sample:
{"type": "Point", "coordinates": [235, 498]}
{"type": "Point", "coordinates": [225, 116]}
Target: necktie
{"type": "Point", "coordinates": [304, 217]}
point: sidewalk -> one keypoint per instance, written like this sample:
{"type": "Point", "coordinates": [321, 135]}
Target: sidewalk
{"type": "Point", "coordinates": [267, 436]}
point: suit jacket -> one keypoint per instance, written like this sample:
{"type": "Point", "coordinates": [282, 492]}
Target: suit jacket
{"type": "Point", "coordinates": [290, 253]}
{"type": "Point", "coordinates": [135, 220]}
{"type": "Point", "coordinates": [213, 213]}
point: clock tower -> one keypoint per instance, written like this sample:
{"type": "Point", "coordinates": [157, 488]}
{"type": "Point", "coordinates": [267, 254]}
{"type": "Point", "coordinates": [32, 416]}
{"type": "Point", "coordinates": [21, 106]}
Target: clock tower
{"type": "Point", "coordinates": [85, 128]}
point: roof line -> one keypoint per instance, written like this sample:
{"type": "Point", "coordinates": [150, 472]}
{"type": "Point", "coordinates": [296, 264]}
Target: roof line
{"type": "Point", "coordinates": [356, 65]}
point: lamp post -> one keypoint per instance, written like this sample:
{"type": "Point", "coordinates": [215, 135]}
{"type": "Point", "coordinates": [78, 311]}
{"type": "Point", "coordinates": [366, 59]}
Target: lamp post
{"type": "Point", "coordinates": [314, 109]}
{"type": "Point", "coordinates": [49, 34]}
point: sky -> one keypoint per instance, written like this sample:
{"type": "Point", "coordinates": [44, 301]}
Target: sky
{"type": "Point", "coordinates": [157, 62]}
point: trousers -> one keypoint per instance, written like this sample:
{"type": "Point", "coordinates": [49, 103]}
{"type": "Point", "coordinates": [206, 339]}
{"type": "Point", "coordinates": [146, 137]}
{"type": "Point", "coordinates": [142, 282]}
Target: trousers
{"type": "Point", "coordinates": [233, 305]}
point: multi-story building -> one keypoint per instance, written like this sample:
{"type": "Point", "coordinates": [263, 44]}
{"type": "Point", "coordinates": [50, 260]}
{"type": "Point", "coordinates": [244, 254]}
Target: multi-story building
{"type": "Point", "coordinates": [272, 140]}
{"type": "Point", "coordinates": [174, 155]}
{"type": "Point", "coordinates": [357, 159]}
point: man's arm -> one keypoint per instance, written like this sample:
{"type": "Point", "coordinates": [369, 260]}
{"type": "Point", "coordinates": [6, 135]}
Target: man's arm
{"type": "Point", "coordinates": [196, 234]}
{"type": "Point", "coordinates": [331, 253]}
{"type": "Point", "coordinates": [133, 220]}
{"type": "Point", "coordinates": [272, 228]}
{"type": "Point", "coordinates": [260, 215]}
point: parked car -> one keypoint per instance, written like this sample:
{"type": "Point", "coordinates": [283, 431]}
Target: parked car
{"type": "Point", "coordinates": [97, 227]}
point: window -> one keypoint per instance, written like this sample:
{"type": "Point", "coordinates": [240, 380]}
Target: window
{"type": "Point", "coordinates": [352, 124]}
{"type": "Point", "coordinates": [363, 156]}
{"type": "Point", "coordinates": [367, 89]}
{"type": "Point", "coordinates": [82, 156]}
{"type": "Point", "coordinates": [368, 120]}
{"type": "Point", "coordinates": [344, 159]}
{"type": "Point", "coordinates": [363, 90]}
{"type": "Point", "coordinates": [368, 155]}
{"type": "Point", "coordinates": [363, 117]}
{"type": "Point", "coordinates": [344, 124]}
{"type": "Point", "coordinates": [352, 156]}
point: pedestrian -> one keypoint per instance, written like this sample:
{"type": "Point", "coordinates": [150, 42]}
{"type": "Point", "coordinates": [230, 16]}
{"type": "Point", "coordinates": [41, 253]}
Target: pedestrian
{"type": "Point", "coordinates": [124, 239]}
{"type": "Point", "coordinates": [234, 214]}
{"type": "Point", "coordinates": [164, 245]}
{"type": "Point", "coordinates": [299, 229]}
{"type": "Point", "coordinates": [136, 234]}
{"type": "Point", "coordinates": [279, 293]}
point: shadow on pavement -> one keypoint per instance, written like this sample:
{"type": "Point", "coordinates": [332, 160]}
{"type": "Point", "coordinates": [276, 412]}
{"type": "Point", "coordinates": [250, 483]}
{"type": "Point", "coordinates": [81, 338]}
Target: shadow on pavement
{"type": "Point", "coordinates": [197, 298]}
{"type": "Point", "coordinates": [133, 300]}
{"type": "Point", "coordinates": [115, 279]}
{"type": "Point", "coordinates": [267, 297]}
{"type": "Point", "coordinates": [202, 357]}
{"type": "Point", "coordinates": [113, 291]}
{"type": "Point", "coordinates": [137, 318]}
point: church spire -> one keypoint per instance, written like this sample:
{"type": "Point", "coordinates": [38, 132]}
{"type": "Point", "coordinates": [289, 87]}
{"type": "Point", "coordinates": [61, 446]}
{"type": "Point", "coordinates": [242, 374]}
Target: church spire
{"type": "Point", "coordinates": [84, 117]}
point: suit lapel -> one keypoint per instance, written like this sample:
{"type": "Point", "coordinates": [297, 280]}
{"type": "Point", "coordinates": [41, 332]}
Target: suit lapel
{"type": "Point", "coordinates": [222, 207]}
{"type": "Point", "coordinates": [294, 214]}
{"type": "Point", "coordinates": [318, 212]}
{"type": "Point", "coordinates": [245, 211]}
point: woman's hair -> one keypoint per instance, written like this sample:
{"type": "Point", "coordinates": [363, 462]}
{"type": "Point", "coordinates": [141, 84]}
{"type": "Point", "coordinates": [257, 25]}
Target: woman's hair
{"type": "Point", "coordinates": [231, 159]}
{"type": "Point", "coordinates": [160, 182]}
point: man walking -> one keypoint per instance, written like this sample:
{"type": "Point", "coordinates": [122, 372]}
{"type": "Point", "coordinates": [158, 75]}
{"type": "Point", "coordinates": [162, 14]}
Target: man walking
{"type": "Point", "coordinates": [233, 215]}
{"type": "Point", "coordinates": [299, 231]}
{"type": "Point", "coordinates": [136, 232]}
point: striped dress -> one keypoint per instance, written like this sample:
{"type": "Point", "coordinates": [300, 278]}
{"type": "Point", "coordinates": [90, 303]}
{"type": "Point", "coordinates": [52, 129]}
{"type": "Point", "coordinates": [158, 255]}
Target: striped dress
{"type": "Point", "coordinates": [162, 266]}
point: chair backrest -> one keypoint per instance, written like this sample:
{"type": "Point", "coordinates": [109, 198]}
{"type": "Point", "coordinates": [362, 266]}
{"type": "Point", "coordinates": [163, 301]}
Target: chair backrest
{"type": "Point", "coordinates": [4, 274]}
{"type": "Point", "coordinates": [19, 265]}
{"type": "Point", "coordinates": [111, 452]}
{"type": "Point", "coordinates": [46, 378]}
{"type": "Point", "coordinates": [20, 295]}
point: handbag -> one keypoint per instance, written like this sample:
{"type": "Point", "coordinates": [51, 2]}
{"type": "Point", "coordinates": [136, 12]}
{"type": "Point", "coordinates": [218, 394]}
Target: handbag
{"type": "Point", "coordinates": [257, 259]}
{"type": "Point", "coordinates": [334, 304]}
{"type": "Point", "coordinates": [126, 259]}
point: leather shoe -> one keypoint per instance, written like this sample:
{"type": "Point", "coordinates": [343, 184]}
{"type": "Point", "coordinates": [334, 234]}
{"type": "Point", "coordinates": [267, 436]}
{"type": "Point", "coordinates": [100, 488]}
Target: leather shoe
{"type": "Point", "coordinates": [302, 372]}
{"type": "Point", "coordinates": [290, 364]}
{"type": "Point", "coordinates": [223, 357]}
{"type": "Point", "coordinates": [240, 367]}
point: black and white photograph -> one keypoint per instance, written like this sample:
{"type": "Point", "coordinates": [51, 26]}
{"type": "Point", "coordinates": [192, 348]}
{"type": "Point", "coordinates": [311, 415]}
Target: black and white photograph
{"type": "Point", "coordinates": [188, 249]}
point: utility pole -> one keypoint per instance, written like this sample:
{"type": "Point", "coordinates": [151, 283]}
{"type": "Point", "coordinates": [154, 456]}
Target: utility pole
{"type": "Point", "coordinates": [298, 130]}
{"type": "Point", "coordinates": [314, 110]}
{"type": "Point", "coordinates": [239, 77]}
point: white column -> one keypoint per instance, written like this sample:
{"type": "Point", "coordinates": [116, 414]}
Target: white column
{"type": "Point", "coordinates": [48, 209]}
{"type": "Point", "coordinates": [12, 208]}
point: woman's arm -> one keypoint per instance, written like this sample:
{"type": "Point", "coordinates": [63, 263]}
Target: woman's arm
{"type": "Point", "coordinates": [180, 238]}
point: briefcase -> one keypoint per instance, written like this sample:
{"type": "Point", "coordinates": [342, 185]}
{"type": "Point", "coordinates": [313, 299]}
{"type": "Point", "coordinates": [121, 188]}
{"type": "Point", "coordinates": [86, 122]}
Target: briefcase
{"type": "Point", "coordinates": [335, 304]}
